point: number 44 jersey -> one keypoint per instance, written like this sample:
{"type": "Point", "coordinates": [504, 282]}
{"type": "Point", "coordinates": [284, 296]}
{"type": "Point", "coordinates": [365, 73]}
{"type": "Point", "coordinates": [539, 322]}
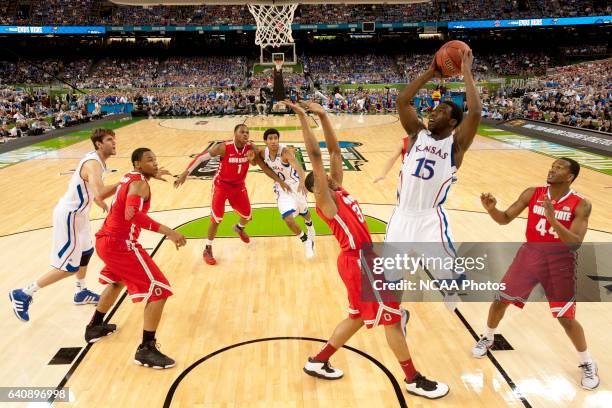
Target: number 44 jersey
{"type": "Point", "coordinates": [538, 227]}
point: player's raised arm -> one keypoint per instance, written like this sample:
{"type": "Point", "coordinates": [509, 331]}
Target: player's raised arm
{"type": "Point", "coordinates": [407, 113]}
{"type": "Point", "coordinates": [216, 150]}
{"type": "Point", "coordinates": [465, 133]}
{"type": "Point", "coordinates": [580, 224]}
{"type": "Point", "coordinates": [504, 217]}
{"type": "Point", "coordinates": [254, 157]}
{"type": "Point", "coordinates": [397, 152]}
{"type": "Point", "coordinates": [137, 193]}
{"type": "Point", "coordinates": [289, 155]}
{"type": "Point", "coordinates": [93, 174]}
{"type": "Point", "coordinates": [325, 201]}
{"type": "Point", "coordinates": [331, 141]}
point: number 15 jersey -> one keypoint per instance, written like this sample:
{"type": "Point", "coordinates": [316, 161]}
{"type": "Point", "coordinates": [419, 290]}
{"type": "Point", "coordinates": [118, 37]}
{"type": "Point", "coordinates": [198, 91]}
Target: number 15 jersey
{"type": "Point", "coordinates": [427, 172]}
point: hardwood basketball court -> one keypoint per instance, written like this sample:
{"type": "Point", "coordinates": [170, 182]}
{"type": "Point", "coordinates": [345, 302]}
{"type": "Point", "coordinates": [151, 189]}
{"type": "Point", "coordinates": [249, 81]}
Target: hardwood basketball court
{"type": "Point", "coordinates": [241, 331]}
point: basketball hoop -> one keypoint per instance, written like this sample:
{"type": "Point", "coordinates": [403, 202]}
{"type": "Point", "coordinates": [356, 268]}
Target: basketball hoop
{"type": "Point", "coordinates": [273, 23]}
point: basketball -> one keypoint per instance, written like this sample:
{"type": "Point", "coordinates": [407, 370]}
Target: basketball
{"type": "Point", "coordinates": [448, 58]}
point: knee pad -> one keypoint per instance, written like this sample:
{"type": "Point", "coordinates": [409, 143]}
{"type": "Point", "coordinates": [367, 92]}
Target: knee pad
{"type": "Point", "coordinates": [86, 257]}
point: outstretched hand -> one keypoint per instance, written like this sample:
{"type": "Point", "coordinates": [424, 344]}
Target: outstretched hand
{"type": "Point", "coordinates": [161, 172]}
{"type": "Point", "coordinates": [314, 107]}
{"type": "Point", "coordinates": [488, 201]}
{"type": "Point", "coordinates": [434, 70]}
{"type": "Point", "coordinates": [180, 179]}
{"type": "Point", "coordinates": [467, 58]}
{"type": "Point", "coordinates": [294, 107]}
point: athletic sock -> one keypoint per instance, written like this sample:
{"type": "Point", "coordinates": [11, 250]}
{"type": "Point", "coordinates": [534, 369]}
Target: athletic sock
{"type": "Point", "coordinates": [409, 369]}
{"type": "Point", "coordinates": [241, 226]}
{"type": "Point", "coordinates": [31, 288]}
{"type": "Point", "coordinates": [147, 336]}
{"type": "Point", "coordinates": [80, 285]}
{"type": "Point", "coordinates": [209, 242]}
{"type": "Point", "coordinates": [303, 237]}
{"type": "Point", "coordinates": [490, 333]}
{"type": "Point", "coordinates": [97, 319]}
{"type": "Point", "coordinates": [585, 356]}
{"type": "Point", "coordinates": [326, 352]}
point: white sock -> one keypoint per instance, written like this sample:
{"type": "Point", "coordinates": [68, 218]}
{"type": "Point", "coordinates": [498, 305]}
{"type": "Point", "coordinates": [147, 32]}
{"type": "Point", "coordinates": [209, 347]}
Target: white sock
{"type": "Point", "coordinates": [242, 226]}
{"type": "Point", "coordinates": [80, 285]}
{"type": "Point", "coordinates": [32, 287]}
{"type": "Point", "coordinates": [585, 356]}
{"type": "Point", "coordinates": [490, 333]}
{"type": "Point", "coordinates": [301, 235]}
{"type": "Point", "coordinates": [209, 242]}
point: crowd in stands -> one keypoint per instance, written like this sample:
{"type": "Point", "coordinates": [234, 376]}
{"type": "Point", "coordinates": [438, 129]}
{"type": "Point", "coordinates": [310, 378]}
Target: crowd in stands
{"type": "Point", "coordinates": [203, 71]}
{"type": "Point", "coordinates": [227, 71]}
{"type": "Point", "coordinates": [575, 95]}
{"type": "Point", "coordinates": [33, 113]}
{"type": "Point", "coordinates": [104, 12]}
{"type": "Point", "coordinates": [181, 101]}
{"type": "Point", "coordinates": [355, 69]}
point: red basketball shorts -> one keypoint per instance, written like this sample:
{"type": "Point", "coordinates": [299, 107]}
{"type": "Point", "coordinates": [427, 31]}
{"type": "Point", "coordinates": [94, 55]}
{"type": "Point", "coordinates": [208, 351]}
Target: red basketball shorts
{"type": "Point", "coordinates": [555, 271]}
{"type": "Point", "coordinates": [237, 196]}
{"type": "Point", "coordinates": [372, 313]}
{"type": "Point", "coordinates": [126, 262]}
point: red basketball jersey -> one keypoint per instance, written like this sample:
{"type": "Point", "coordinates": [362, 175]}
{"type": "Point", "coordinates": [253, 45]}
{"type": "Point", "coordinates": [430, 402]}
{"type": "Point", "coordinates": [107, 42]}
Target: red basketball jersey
{"type": "Point", "coordinates": [348, 226]}
{"type": "Point", "coordinates": [233, 166]}
{"type": "Point", "coordinates": [115, 224]}
{"type": "Point", "coordinates": [538, 228]}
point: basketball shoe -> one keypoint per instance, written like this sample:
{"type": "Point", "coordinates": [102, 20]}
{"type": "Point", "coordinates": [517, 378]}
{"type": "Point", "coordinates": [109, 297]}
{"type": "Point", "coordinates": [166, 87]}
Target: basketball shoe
{"type": "Point", "coordinates": [423, 387]}
{"type": "Point", "coordinates": [208, 255]}
{"type": "Point", "coordinates": [590, 379]}
{"type": "Point", "coordinates": [95, 333]}
{"type": "Point", "coordinates": [148, 355]}
{"type": "Point", "coordinates": [481, 348]}
{"type": "Point", "coordinates": [21, 303]}
{"type": "Point", "coordinates": [85, 296]}
{"type": "Point", "coordinates": [322, 369]}
{"type": "Point", "coordinates": [309, 248]}
{"type": "Point", "coordinates": [241, 233]}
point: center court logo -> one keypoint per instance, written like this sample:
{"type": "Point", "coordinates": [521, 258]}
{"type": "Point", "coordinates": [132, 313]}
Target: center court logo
{"type": "Point", "coordinates": [351, 158]}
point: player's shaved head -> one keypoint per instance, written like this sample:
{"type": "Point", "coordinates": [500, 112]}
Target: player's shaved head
{"type": "Point", "coordinates": [574, 166]}
{"type": "Point", "coordinates": [138, 153]}
{"type": "Point", "coordinates": [240, 125]}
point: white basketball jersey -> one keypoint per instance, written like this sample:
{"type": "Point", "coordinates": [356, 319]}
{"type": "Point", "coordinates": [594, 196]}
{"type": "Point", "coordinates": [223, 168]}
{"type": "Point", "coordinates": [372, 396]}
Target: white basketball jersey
{"type": "Point", "coordinates": [284, 170]}
{"type": "Point", "coordinates": [80, 195]}
{"type": "Point", "coordinates": [428, 170]}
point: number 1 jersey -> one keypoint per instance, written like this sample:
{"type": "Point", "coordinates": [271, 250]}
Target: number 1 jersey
{"type": "Point", "coordinates": [233, 166]}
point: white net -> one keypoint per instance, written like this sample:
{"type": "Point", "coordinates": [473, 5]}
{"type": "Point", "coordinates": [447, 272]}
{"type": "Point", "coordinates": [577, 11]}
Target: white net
{"type": "Point", "coordinates": [273, 23]}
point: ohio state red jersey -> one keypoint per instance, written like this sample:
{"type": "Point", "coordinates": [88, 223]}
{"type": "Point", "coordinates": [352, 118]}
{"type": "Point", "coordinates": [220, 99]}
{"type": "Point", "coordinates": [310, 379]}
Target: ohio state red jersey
{"type": "Point", "coordinates": [538, 227]}
{"type": "Point", "coordinates": [233, 166]}
{"type": "Point", "coordinates": [115, 225]}
{"type": "Point", "coordinates": [348, 225]}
